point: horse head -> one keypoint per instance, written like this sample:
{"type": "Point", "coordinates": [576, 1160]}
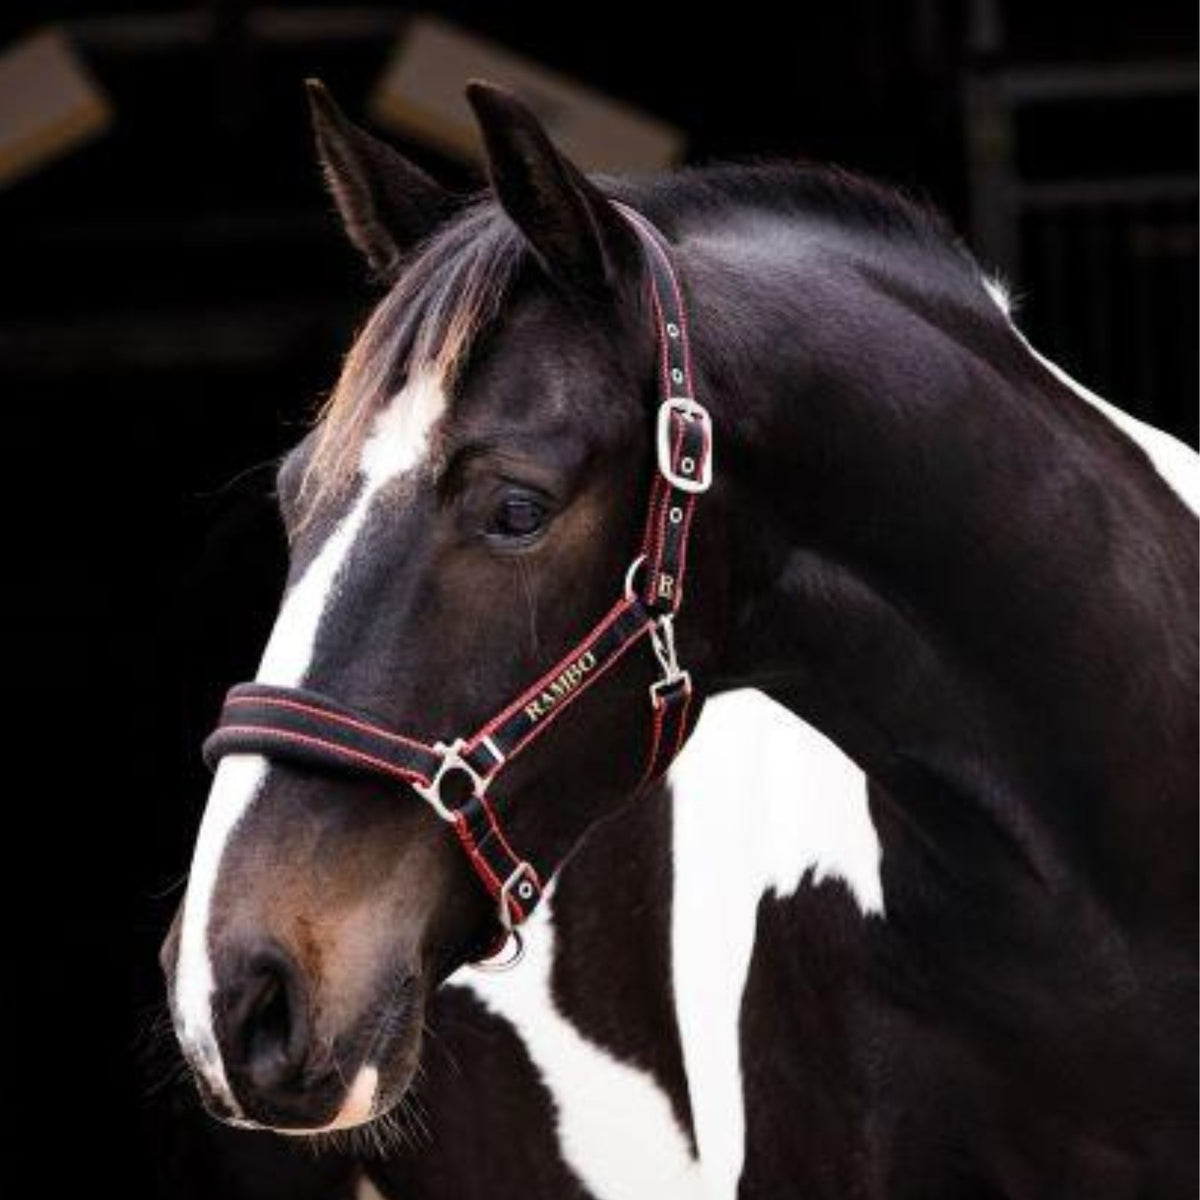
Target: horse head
{"type": "Point", "coordinates": [470, 503]}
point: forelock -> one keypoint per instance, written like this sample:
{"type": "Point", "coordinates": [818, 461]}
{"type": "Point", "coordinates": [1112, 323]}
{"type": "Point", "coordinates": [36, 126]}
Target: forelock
{"type": "Point", "coordinates": [450, 292]}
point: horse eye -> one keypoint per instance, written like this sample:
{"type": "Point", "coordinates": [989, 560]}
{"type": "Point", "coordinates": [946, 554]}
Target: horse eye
{"type": "Point", "coordinates": [518, 516]}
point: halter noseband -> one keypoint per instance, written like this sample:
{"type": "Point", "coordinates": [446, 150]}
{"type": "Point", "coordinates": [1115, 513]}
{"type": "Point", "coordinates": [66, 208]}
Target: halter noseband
{"type": "Point", "coordinates": [306, 727]}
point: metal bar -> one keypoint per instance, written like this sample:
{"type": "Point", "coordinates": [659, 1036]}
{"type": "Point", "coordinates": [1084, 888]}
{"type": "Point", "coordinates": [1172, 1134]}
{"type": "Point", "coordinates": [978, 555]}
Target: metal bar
{"type": "Point", "coordinates": [1095, 297]}
{"type": "Point", "coordinates": [1023, 85]}
{"type": "Point", "coordinates": [1052, 301]}
{"type": "Point", "coordinates": [209, 336]}
{"type": "Point", "coordinates": [132, 34]}
{"type": "Point", "coordinates": [1088, 193]}
{"type": "Point", "coordinates": [992, 179]}
{"type": "Point", "coordinates": [1145, 349]}
{"type": "Point", "coordinates": [325, 24]}
{"type": "Point", "coordinates": [141, 33]}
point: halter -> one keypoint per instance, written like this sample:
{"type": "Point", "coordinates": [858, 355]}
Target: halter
{"type": "Point", "coordinates": [306, 727]}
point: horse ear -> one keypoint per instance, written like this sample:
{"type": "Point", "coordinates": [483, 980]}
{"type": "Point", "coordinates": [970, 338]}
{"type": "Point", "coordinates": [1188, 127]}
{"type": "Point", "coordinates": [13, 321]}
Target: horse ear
{"type": "Point", "coordinates": [574, 230]}
{"type": "Point", "coordinates": [387, 204]}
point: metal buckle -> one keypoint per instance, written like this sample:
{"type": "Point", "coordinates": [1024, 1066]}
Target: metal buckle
{"type": "Point", "coordinates": [692, 410]}
{"type": "Point", "coordinates": [452, 760]}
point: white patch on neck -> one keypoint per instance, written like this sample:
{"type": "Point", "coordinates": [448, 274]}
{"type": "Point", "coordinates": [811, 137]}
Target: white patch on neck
{"type": "Point", "coordinates": [999, 292]}
{"type": "Point", "coordinates": [761, 798]}
{"type": "Point", "coordinates": [1175, 462]}
{"type": "Point", "coordinates": [398, 442]}
{"type": "Point", "coordinates": [616, 1128]}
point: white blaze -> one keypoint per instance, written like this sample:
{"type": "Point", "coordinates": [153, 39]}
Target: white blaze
{"type": "Point", "coordinates": [236, 783]}
{"type": "Point", "coordinates": [397, 443]}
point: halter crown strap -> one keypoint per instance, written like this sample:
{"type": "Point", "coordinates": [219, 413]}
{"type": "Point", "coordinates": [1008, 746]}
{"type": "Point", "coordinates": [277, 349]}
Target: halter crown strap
{"type": "Point", "coordinates": [683, 431]}
{"type": "Point", "coordinates": [309, 728]}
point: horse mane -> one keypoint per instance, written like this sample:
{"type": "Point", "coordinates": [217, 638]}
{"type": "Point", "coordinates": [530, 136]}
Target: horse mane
{"type": "Point", "coordinates": [807, 191]}
{"type": "Point", "coordinates": [456, 282]}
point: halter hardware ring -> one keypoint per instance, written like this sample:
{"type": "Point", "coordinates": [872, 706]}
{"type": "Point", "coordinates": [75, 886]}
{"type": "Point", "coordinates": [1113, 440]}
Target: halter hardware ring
{"type": "Point", "coordinates": [451, 760]}
{"type": "Point", "coordinates": [634, 567]}
{"type": "Point", "coordinates": [496, 965]}
{"type": "Point", "coordinates": [691, 410]}
{"type": "Point", "coordinates": [661, 685]}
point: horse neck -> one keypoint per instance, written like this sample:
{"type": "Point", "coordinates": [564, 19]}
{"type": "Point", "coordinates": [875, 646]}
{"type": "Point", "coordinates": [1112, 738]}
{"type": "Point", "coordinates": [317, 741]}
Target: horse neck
{"type": "Point", "coordinates": [949, 564]}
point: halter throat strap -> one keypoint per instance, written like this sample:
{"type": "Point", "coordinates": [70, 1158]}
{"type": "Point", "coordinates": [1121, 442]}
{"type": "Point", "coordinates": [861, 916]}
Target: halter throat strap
{"type": "Point", "coordinates": [454, 778]}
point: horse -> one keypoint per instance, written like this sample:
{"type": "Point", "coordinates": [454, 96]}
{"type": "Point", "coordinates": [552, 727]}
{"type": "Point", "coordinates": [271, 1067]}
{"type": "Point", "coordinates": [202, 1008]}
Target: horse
{"type": "Point", "coordinates": [910, 531]}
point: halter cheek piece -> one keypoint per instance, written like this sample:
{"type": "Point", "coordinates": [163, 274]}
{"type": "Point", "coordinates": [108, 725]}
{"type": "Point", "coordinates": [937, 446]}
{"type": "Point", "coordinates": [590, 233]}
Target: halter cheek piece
{"type": "Point", "coordinates": [308, 728]}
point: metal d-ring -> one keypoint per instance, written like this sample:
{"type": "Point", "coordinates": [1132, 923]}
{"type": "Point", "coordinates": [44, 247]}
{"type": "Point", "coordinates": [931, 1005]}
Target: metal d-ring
{"type": "Point", "coordinates": [495, 965]}
{"type": "Point", "coordinates": [634, 567]}
{"type": "Point", "coordinates": [504, 913]}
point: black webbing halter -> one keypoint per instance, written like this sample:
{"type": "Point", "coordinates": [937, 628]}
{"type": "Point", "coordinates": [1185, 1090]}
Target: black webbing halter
{"type": "Point", "coordinates": [308, 728]}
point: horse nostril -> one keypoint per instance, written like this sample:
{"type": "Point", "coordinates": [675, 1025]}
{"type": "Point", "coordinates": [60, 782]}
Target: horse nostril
{"type": "Point", "coordinates": [268, 1028]}
{"type": "Point", "coordinates": [266, 1034]}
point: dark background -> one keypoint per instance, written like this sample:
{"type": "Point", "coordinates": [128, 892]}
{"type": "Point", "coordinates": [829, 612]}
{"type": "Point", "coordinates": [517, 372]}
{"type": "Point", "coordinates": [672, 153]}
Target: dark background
{"type": "Point", "coordinates": [176, 298]}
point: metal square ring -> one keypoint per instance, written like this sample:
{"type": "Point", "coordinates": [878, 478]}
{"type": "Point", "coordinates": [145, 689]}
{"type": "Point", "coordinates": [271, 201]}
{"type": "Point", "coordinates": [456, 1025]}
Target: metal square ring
{"type": "Point", "coordinates": [452, 760]}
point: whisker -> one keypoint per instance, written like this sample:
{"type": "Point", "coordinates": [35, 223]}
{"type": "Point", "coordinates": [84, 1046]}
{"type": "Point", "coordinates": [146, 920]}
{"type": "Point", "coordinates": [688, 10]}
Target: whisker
{"type": "Point", "coordinates": [436, 1039]}
{"type": "Point", "coordinates": [155, 1051]}
{"type": "Point", "coordinates": [221, 489]}
{"type": "Point", "coordinates": [420, 1116]}
{"type": "Point", "coordinates": [175, 885]}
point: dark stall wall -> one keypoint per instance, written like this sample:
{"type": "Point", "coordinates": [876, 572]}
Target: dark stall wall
{"type": "Point", "coordinates": [174, 301]}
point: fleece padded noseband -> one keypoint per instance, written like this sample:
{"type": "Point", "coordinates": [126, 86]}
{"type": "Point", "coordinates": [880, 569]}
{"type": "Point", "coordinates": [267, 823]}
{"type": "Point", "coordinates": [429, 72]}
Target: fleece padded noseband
{"type": "Point", "coordinates": [310, 729]}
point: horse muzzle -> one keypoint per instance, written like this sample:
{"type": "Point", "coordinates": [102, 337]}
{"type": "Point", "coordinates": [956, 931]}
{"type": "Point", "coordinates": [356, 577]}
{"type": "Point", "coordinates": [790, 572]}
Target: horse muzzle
{"type": "Point", "coordinates": [266, 1062]}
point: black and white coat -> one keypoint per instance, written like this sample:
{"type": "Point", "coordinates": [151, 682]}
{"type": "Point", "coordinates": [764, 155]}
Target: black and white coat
{"type": "Point", "coordinates": [729, 1046]}
{"type": "Point", "coordinates": [782, 979]}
